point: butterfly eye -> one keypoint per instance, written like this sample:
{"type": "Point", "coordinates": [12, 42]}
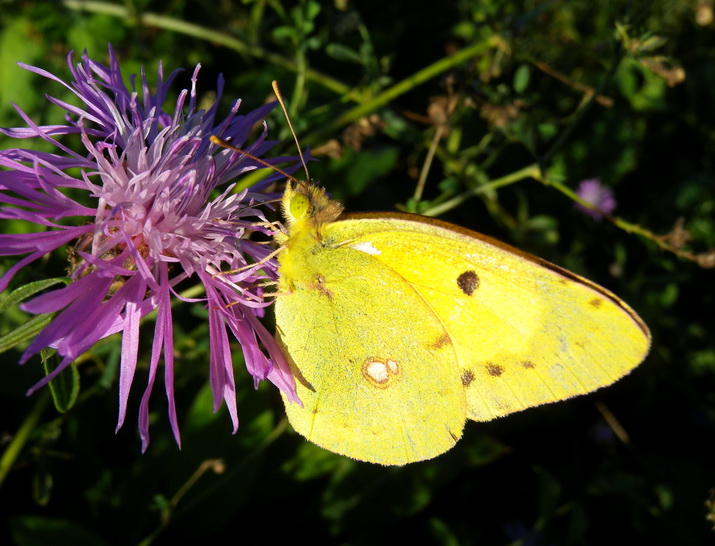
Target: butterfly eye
{"type": "Point", "coordinates": [299, 206]}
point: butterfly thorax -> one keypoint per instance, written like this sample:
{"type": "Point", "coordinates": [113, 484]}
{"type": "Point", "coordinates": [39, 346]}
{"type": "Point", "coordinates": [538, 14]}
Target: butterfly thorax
{"type": "Point", "coordinates": [306, 210]}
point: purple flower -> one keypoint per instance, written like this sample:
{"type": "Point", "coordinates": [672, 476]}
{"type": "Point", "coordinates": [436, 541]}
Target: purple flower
{"type": "Point", "coordinates": [145, 217]}
{"type": "Point", "coordinates": [599, 196]}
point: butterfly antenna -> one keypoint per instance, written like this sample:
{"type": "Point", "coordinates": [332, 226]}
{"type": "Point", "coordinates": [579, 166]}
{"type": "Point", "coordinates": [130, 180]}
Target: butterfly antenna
{"type": "Point", "coordinates": [277, 91]}
{"type": "Point", "coordinates": [226, 144]}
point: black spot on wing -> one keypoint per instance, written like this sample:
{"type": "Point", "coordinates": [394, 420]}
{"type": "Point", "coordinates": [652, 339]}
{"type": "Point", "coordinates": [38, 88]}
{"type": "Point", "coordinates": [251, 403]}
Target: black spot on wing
{"type": "Point", "coordinates": [441, 341]}
{"type": "Point", "coordinates": [468, 282]}
{"type": "Point", "coordinates": [494, 369]}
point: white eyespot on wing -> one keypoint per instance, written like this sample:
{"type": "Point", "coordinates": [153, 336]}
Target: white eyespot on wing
{"type": "Point", "coordinates": [392, 366]}
{"type": "Point", "coordinates": [380, 372]}
{"type": "Point", "coordinates": [367, 248]}
{"type": "Point", "coordinates": [377, 371]}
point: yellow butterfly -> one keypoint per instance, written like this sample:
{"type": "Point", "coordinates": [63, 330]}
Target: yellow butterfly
{"type": "Point", "coordinates": [399, 327]}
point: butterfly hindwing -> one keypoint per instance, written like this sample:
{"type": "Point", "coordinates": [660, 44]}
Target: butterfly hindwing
{"type": "Point", "coordinates": [374, 366]}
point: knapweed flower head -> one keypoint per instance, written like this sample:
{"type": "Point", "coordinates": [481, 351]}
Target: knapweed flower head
{"type": "Point", "coordinates": [592, 191]}
{"type": "Point", "coordinates": [153, 205]}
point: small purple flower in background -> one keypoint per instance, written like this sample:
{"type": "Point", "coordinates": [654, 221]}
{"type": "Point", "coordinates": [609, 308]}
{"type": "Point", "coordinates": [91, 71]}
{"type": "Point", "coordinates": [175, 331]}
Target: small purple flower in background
{"type": "Point", "coordinates": [148, 221]}
{"type": "Point", "coordinates": [599, 196]}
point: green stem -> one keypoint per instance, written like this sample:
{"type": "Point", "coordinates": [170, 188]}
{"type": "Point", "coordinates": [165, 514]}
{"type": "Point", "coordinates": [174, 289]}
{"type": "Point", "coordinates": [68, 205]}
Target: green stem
{"type": "Point", "coordinates": [580, 114]}
{"type": "Point", "coordinates": [419, 189]}
{"type": "Point", "coordinates": [23, 435]}
{"type": "Point", "coordinates": [705, 259]}
{"type": "Point", "coordinates": [174, 510]}
{"type": "Point", "coordinates": [149, 19]}
{"type": "Point", "coordinates": [402, 87]}
{"type": "Point", "coordinates": [531, 171]}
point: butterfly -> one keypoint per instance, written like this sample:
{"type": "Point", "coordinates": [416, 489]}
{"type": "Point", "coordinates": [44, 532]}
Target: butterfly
{"type": "Point", "coordinates": [398, 328]}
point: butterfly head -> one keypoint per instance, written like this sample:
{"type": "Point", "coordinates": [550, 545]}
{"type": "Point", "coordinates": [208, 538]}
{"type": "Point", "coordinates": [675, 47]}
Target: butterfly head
{"type": "Point", "coordinates": [306, 207]}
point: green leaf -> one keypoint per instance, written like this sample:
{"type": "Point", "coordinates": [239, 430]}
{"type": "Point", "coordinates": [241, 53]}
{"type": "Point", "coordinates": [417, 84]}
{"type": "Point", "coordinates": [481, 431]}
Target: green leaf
{"type": "Point", "coordinates": [24, 332]}
{"type": "Point", "coordinates": [283, 33]}
{"type": "Point", "coordinates": [443, 532]}
{"type": "Point", "coordinates": [17, 85]}
{"type": "Point", "coordinates": [312, 9]}
{"type": "Point", "coordinates": [521, 78]}
{"type": "Point", "coordinates": [64, 387]}
{"type": "Point", "coordinates": [343, 53]}
{"type": "Point", "coordinates": [32, 326]}
{"type": "Point", "coordinates": [367, 167]}
{"type": "Point", "coordinates": [24, 292]}
{"type": "Point", "coordinates": [547, 130]}
{"type": "Point", "coordinates": [42, 487]}
{"type": "Point", "coordinates": [313, 43]}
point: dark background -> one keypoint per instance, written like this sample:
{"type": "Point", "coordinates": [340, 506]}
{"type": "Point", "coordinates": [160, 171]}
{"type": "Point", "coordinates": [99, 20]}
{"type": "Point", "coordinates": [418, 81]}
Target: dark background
{"type": "Point", "coordinates": [550, 475]}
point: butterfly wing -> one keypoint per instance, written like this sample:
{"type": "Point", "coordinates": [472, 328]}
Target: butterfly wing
{"type": "Point", "coordinates": [374, 366]}
{"type": "Point", "coordinates": [525, 332]}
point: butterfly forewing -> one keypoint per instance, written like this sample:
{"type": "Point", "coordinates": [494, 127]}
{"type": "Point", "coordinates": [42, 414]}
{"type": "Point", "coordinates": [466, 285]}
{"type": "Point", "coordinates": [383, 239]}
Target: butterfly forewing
{"type": "Point", "coordinates": [525, 332]}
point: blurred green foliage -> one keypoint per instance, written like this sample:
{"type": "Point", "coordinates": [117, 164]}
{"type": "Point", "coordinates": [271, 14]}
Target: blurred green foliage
{"type": "Point", "coordinates": [620, 90]}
